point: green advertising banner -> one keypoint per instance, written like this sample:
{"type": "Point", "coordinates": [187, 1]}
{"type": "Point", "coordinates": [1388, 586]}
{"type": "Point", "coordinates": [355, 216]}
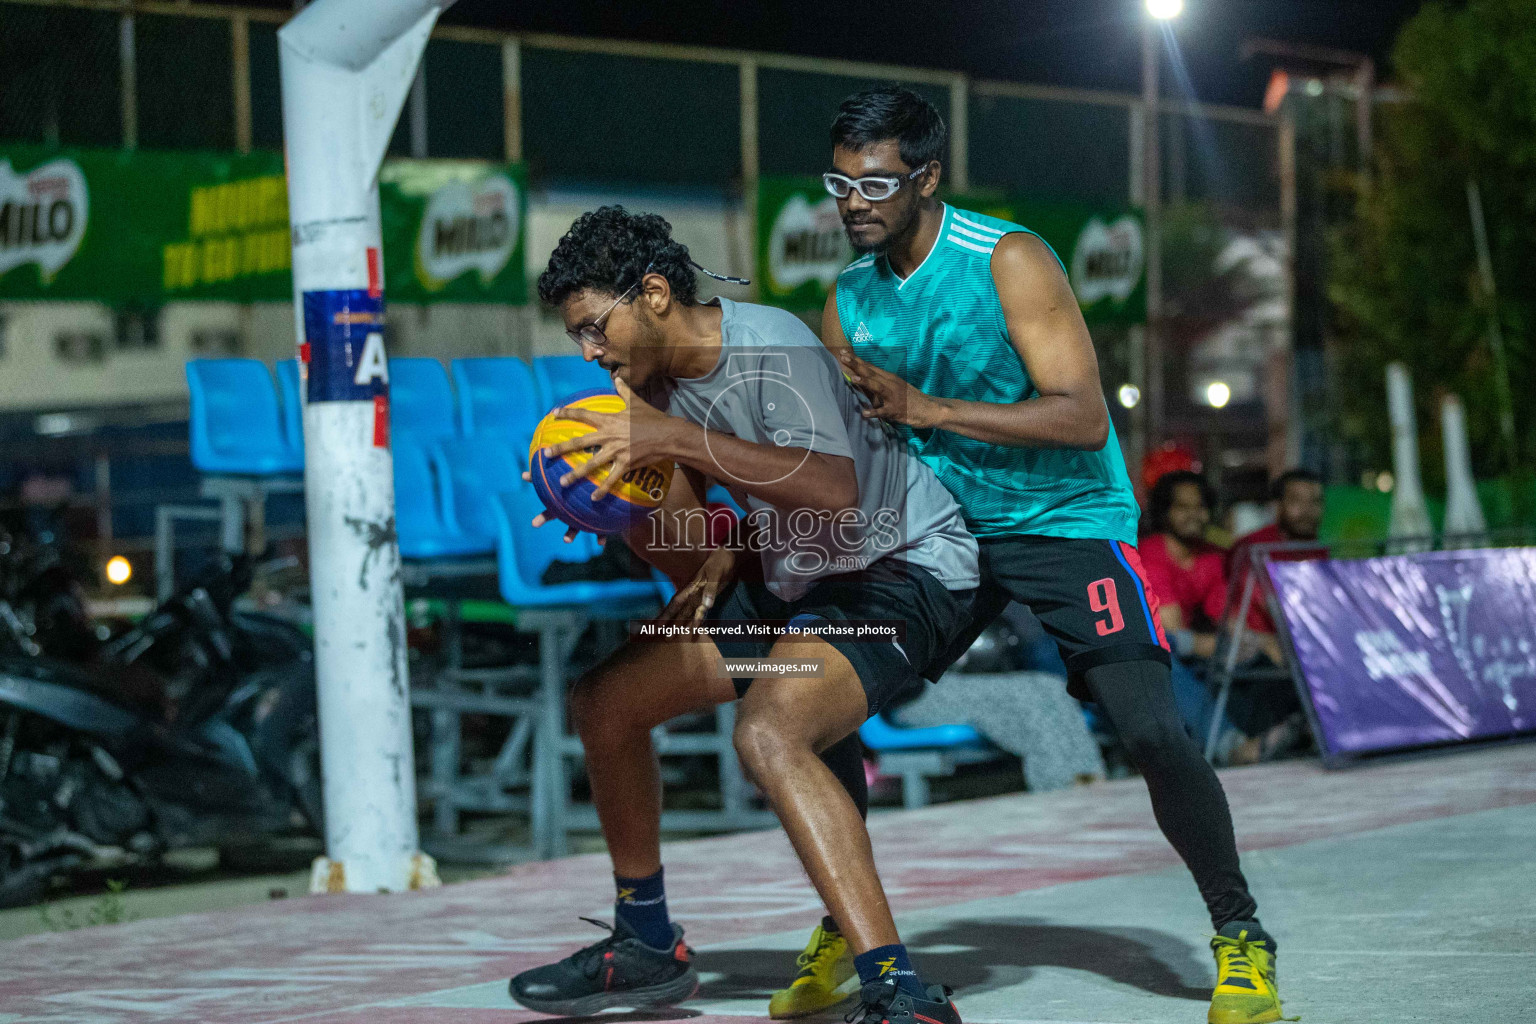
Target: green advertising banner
{"type": "Point", "coordinates": [147, 228]}
{"type": "Point", "coordinates": [801, 247]}
{"type": "Point", "coordinates": [454, 231]}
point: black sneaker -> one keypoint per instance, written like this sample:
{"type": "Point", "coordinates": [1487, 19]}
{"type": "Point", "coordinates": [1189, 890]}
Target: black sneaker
{"type": "Point", "coordinates": [881, 1002]}
{"type": "Point", "coordinates": [618, 971]}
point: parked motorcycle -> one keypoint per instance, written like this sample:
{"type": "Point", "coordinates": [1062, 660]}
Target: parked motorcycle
{"type": "Point", "coordinates": [197, 727]}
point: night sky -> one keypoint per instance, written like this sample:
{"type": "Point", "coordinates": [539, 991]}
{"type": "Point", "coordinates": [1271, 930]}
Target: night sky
{"type": "Point", "coordinates": [1085, 43]}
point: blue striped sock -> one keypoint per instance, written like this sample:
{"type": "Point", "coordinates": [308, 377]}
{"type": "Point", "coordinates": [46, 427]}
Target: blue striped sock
{"type": "Point", "coordinates": [891, 962]}
{"type": "Point", "coordinates": [642, 904]}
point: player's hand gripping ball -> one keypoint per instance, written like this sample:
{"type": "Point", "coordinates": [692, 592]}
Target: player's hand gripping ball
{"type": "Point", "coordinates": [639, 492]}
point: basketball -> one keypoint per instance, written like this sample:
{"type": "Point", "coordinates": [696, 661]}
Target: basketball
{"type": "Point", "coordinates": [639, 492]}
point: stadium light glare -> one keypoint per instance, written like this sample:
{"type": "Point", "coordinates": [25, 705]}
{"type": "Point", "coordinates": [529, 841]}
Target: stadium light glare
{"type": "Point", "coordinates": [1218, 394]}
{"type": "Point", "coordinates": [1165, 10]}
{"type": "Point", "coordinates": [1130, 395]}
{"type": "Point", "coordinates": [119, 570]}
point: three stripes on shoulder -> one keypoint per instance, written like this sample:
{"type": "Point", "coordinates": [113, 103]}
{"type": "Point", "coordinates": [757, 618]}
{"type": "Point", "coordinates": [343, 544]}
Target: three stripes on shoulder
{"type": "Point", "coordinates": [968, 234]}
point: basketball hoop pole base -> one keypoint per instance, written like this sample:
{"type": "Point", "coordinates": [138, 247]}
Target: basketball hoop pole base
{"type": "Point", "coordinates": [328, 876]}
{"type": "Point", "coordinates": [347, 66]}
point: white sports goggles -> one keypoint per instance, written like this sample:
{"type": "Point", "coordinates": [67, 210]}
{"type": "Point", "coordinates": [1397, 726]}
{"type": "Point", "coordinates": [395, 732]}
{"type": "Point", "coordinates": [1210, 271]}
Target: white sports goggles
{"type": "Point", "coordinates": [875, 189]}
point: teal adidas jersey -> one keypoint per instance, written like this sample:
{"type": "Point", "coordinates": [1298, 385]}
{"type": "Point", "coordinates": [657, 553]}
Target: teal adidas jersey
{"type": "Point", "coordinates": [942, 330]}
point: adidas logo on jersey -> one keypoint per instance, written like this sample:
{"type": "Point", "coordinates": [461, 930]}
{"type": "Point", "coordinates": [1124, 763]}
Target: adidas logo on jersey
{"type": "Point", "coordinates": [861, 334]}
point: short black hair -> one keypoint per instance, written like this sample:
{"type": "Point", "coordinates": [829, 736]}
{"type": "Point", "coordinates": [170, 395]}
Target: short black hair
{"type": "Point", "coordinates": [608, 251]}
{"type": "Point", "coordinates": [892, 112]}
{"type": "Point", "coordinates": [1161, 498]}
{"type": "Point", "coordinates": [1292, 476]}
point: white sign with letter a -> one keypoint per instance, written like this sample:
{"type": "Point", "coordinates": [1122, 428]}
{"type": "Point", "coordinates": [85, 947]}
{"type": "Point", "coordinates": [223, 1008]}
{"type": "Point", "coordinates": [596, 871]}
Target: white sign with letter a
{"type": "Point", "coordinates": [372, 366]}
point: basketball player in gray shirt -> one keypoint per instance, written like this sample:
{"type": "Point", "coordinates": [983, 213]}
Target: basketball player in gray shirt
{"type": "Point", "coordinates": [863, 561]}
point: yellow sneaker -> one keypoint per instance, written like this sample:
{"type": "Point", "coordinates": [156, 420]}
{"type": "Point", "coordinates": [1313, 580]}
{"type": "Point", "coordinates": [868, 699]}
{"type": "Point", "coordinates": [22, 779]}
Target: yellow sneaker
{"type": "Point", "coordinates": [826, 978]}
{"type": "Point", "coordinates": [1245, 977]}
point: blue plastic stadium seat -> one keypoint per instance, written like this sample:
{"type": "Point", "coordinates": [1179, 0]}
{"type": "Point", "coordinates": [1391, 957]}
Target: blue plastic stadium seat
{"type": "Point", "coordinates": [424, 530]}
{"type": "Point", "coordinates": [472, 471]}
{"type": "Point", "coordinates": [560, 376]}
{"type": "Point", "coordinates": [524, 551]}
{"type": "Point", "coordinates": [420, 399]}
{"type": "Point", "coordinates": [498, 399]}
{"type": "Point", "coordinates": [880, 735]}
{"type": "Point", "coordinates": [288, 388]}
{"type": "Point", "coordinates": [236, 428]}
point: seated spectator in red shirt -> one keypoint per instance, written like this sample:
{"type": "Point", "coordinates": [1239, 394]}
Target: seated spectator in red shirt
{"type": "Point", "coordinates": [1187, 574]}
{"type": "Point", "coordinates": [1298, 497]}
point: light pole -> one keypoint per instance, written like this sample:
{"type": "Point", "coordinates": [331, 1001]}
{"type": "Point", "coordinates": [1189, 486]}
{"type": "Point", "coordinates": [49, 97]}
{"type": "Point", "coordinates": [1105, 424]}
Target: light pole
{"type": "Point", "coordinates": [1158, 12]}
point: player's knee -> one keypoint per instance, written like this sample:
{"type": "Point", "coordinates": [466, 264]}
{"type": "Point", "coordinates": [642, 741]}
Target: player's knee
{"type": "Point", "coordinates": [1153, 744]}
{"type": "Point", "coordinates": [763, 738]}
{"type": "Point", "coordinates": [758, 743]}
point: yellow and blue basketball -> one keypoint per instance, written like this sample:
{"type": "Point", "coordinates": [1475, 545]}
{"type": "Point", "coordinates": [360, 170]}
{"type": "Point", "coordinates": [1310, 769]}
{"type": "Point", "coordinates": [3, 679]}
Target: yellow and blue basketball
{"type": "Point", "coordinates": [640, 490]}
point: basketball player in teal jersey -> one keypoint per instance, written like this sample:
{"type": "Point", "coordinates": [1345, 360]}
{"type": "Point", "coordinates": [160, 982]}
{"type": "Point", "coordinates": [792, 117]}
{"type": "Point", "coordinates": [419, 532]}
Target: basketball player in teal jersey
{"type": "Point", "coordinates": [963, 331]}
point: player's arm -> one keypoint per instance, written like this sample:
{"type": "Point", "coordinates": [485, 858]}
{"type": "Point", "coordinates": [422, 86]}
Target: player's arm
{"type": "Point", "coordinates": [796, 477]}
{"type": "Point", "coordinates": [1046, 328]}
{"type": "Point", "coordinates": [832, 334]}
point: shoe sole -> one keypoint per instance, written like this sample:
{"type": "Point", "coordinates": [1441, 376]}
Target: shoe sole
{"type": "Point", "coordinates": [846, 991]}
{"type": "Point", "coordinates": [670, 994]}
{"type": "Point", "coordinates": [1264, 1018]}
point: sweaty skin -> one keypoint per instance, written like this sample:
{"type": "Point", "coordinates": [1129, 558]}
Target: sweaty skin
{"type": "Point", "coordinates": [783, 723]}
{"type": "Point", "coordinates": [1045, 328]}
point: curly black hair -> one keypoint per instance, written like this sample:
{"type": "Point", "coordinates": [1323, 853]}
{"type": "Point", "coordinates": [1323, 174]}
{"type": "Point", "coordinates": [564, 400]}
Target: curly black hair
{"type": "Point", "coordinates": [1161, 499]}
{"type": "Point", "coordinates": [609, 249]}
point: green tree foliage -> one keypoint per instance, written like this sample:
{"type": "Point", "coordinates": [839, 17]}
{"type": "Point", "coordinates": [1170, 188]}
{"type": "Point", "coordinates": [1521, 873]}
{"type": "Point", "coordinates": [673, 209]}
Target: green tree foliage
{"type": "Point", "coordinates": [1404, 279]}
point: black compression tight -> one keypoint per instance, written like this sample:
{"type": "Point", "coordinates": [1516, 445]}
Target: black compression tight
{"type": "Point", "coordinates": [1187, 798]}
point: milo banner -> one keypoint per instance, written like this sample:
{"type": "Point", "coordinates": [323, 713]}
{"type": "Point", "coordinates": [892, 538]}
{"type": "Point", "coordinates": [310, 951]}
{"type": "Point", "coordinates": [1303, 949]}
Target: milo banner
{"type": "Point", "coordinates": [1414, 650]}
{"type": "Point", "coordinates": [801, 247]}
{"type": "Point", "coordinates": [453, 231]}
{"type": "Point", "coordinates": [148, 228]}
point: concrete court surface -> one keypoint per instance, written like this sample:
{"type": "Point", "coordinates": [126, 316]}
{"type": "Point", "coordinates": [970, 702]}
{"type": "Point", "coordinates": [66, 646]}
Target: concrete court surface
{"type": "Point", "coordinates": [1399, 892]}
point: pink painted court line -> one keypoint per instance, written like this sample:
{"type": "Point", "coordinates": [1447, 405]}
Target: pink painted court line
{"type": "Point", "coordinates": [336, 959]}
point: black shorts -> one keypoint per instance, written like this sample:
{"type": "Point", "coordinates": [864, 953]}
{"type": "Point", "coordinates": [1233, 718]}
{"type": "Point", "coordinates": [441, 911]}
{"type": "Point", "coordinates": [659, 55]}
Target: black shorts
{"type": "Point", "coordinates": [1090, 595]}
{"type": "Point", "coordinates": [890, 590]}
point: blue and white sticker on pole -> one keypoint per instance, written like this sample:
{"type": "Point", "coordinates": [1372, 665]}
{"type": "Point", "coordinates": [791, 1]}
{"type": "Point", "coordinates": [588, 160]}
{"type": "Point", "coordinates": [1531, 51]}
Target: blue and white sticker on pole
{"type": "Point", "coordinates": [344, 352]}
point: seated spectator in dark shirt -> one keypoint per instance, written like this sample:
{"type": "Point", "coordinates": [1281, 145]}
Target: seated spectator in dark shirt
{"type": "Point", "coordinates": [1298, 497]}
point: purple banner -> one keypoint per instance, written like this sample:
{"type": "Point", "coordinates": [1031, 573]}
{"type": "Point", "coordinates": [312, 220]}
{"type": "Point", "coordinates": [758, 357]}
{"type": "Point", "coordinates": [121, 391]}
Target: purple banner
{"type": "Point", "coordinates": [1418, 649]}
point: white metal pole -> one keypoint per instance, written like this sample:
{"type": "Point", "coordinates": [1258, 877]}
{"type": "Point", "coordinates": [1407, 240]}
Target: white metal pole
{"type": "Point", "coordinates": [1463, 512]}
{"type": "Point", "coordinates": [1410, 515]}
{"type": "Point", "coordinates": [1136, 360]}
{"type": "Point", "coordinates": [1152, 385]}
{"type": "Point", "coordinates": [1294, 426]}
{"type": "Point", "coordinates": [1495, 329]}
{"type": "Point", "coordinates": [346, 68]}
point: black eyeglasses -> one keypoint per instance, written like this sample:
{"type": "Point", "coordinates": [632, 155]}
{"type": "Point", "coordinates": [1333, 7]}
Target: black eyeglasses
{"type": "Point", "coordinates": [592, 333]}
{"type": "Point", "coordinates": [874, 189]}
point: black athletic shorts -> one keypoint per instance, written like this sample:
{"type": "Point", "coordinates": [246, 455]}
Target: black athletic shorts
{"type": "Point", "coordinates": [888, 590]}
{"type": "Point", "coordinates": [1090, 595]}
